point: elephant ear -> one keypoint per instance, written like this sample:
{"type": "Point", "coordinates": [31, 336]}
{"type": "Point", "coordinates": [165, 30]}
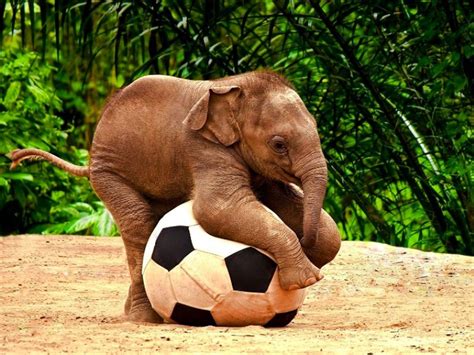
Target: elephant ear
{"type": "Point", "coordinates": [213, 115]}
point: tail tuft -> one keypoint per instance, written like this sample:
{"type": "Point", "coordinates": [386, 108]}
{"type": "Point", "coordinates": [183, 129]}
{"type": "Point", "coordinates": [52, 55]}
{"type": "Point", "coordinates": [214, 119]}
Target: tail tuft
{"type": "Point", "coordinates": [14, 164]}
{"type": "Point", "coordinates": [14, 158]}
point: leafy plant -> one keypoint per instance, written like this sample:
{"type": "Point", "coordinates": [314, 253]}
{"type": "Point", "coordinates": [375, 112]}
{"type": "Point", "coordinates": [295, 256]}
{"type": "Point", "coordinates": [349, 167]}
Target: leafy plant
{"type": "Point", "coordinates": [43, 194]}
{"type": "Point", "coordinates": [79, 217]}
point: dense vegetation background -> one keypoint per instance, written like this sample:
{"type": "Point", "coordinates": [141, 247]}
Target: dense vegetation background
{"type": "Point", "coordinates": [391, 84]}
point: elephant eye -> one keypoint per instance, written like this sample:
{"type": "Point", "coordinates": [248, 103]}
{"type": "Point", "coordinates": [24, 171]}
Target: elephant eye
{"type": "Point", "coordinates": [278, 144]}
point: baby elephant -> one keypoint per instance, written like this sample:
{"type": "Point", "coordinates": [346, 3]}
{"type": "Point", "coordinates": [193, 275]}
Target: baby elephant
{"type": "Point", "coordinates": [233, 145]}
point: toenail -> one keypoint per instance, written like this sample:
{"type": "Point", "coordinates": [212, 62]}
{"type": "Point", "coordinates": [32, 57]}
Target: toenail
{"type": "Point", "coordinates": [310, 281]}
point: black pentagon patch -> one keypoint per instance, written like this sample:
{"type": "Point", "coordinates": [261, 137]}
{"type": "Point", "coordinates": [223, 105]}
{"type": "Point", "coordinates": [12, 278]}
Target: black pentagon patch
{"type": "Point", "coordinates": [187, 315]}
{"type": "Point", "coordinates": [172, 245]}
{"type": "Point", "coordinates": [250, 270]}
{"type": "Point", "coordinates": [281, 319]}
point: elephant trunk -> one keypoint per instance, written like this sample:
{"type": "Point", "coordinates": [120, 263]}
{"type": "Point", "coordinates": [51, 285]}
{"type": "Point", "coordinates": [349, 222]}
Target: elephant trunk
{"type": "Point", "coordinates": [313, 176]}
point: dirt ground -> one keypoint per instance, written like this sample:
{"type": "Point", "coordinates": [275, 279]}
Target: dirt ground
{"type": "Point", "coordinates": [66, 293]}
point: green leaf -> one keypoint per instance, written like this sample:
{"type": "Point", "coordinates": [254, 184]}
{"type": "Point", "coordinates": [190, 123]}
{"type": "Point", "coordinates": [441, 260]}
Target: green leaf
{"type": "Point", "coordinates": [57, 195]}
{"type": "Point", "coordinates": [40, 95]}
{"type": "Point", "coordinates": [37, 143]}
{"type": "Point", "coordinates": [7, 117]}
{"type": "Point", "coordinates": [17, 176]}
{"type": "Point", "coordinates": [468, 51]}
{"type": "Point", "coordinates": [458, 82]}
{"type": "Point", "coordinates": [65, 212]}
{"type": "Point", "coordinates": [12, 94]}
{"type": "Point", "coordinates": [3, 182]}
{"type": "Point", "coordinates": [83, 207]}
{"type": "Point", "coordinates": [82, 224]}
{"type": "Point", "coordinates": [438, 69]}
{"type": "Point", "coordinates": [57, 228]}
{"type": "Point", "coordinates": [105, 225]}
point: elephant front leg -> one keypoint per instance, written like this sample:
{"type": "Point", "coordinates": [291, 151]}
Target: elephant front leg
{"type": "Point", "coordinates": [287, 202]}
{"type": "Point", "coordinates": [227, 207]}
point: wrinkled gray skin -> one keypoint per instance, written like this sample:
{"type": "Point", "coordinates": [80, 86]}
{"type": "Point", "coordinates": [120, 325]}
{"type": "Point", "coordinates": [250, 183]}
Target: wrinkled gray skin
{"type": "Point", "coordinates": [232, 145]}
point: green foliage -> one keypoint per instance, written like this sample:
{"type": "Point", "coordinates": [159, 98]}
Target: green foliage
{"type": "Point", "coordinates": [44, 198]}
{"type": "Point", "coordinates": [79, 217]}
{"type": "Point", "coordinates": [391, 85]}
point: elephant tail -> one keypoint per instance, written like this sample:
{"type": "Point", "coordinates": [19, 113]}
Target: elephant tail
{"type": "Point", "coordinates": [17, 156]}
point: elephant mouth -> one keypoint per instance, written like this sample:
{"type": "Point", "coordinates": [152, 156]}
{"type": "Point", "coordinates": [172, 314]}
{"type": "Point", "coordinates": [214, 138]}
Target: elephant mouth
{"type": "Point", "coordinates": [285, 176]}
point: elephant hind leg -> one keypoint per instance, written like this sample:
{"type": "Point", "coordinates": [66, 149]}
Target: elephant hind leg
{"type": "Point", "coordinates": [136, 219]}
{"type": "Point", "coordinates": [287, 202]}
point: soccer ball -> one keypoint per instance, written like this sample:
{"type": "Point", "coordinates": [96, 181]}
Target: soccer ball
{"type": "Point", "coordinates": [196, 279]}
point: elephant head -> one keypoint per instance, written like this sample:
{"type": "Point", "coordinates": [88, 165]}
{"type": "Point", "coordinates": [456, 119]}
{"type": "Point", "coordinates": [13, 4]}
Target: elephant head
{"type": "Point", "coordinates": [267, 123]}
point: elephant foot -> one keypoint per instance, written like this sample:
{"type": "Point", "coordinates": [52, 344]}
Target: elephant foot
{"type": "Point", "coordinates": [299, 275]}
{"type": "Point", "coordinates": [140, 313]}
{"type": "Point", "coordinates": [143, 315]}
